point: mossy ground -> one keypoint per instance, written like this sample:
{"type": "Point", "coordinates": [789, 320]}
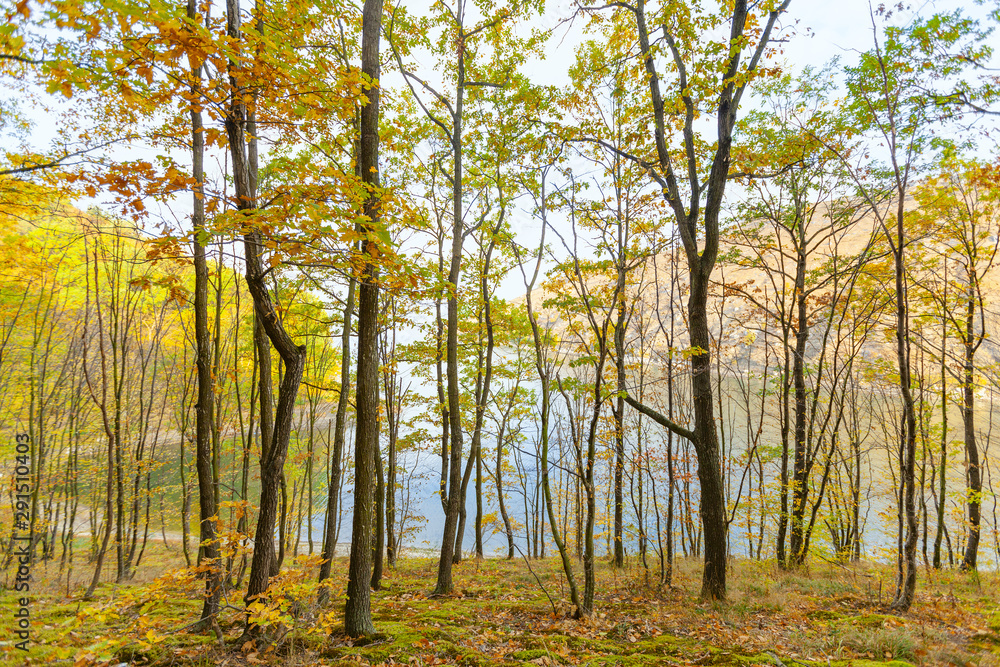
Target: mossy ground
{"type": "Point", "coordinates": [499, 616]}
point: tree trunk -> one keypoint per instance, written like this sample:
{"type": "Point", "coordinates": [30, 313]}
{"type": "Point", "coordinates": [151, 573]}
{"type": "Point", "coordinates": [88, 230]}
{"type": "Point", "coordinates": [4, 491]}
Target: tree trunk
{"type": "Point", "coordinates": [974, 475]}
{"type": "Point", "coordinates": [340, 422]}
{"type": "Point", "coordinates": [357, 612]}
{"type": "Point", "coordinates": [800, 468]}
{"type": "Point", "coordinates": [205, 408]}
{"type": "Point", "coordinates": [943, 465]}
{"type": "Point", "coordinates": [273, 452]}
{"type": "Point", "coordinates": [444, 582]}
{"type": "Point", "coordinates": [378, 541]}
{"type": "Point", "coordinates": [619, 417]}
{"type": "Point", "coordinates": [698, 226]}
{"type": "Point", "coordinates": [907, 571]}
{"type": "Point", "coordinates": [706, 443]}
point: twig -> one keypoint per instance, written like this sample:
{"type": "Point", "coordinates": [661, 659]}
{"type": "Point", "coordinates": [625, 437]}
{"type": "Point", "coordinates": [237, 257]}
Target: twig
{"type": "Point", "coordinates": [540, 585]}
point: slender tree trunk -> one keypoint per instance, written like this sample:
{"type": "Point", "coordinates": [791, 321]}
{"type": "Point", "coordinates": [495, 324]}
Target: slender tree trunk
{"type": "Point", "coordinates": [340, 422]}
{"type": "Point", "coordinates": [780, 541]}
{"type": "Point", "coordinates": [943, 465]}
{"type": "Point", "coordinates": [501, 431]}
{"type": "Point", "coordinates": [274, 451]}
{"type": "Point", "coordinates": [907, 575]}
{"type": "Point", "coordinates": [357, 612]}
{"type": "Point", "coordinates": [185, 491]}
{"type": "Point", "coordinates": [204, 410]}
{"type": "Point", "coordinates": [391, 539]}
{"type": "Point", "coordinates": [973, 473]}
{"type": "Point", "coordinates": [462, 512]}
{"type": "Point", "coordinates": [99, 565]}
{"type": "Point", "coordinates": [712, 503]}
{"type": "Point", "coordinates": [800, 468]}
{"type": "Point", "coordinates": [619, 417]}
{"type": "Point", "coordinates": [108, 431]}
{"type": "Point", "coordinates": [444, 580]}
{"type": "Point", "coordinates": [581, 610]}
{"type": "Point", "coordinates": [378, 542]}
{"type": "Point", "coordinates": [442, 395]}
{"type": "Point", "coordinates": [619, 405]}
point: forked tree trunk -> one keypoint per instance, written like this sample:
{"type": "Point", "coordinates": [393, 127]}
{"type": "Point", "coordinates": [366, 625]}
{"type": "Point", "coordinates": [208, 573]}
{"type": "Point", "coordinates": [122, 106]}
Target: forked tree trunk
{"type": "Point", "coordinates": [943, 462]}
{"type": "Point", "coordinates": [444, 580]}
{"type": "Point", "coordinates": [274, 451]}
{"type": "Point", "coordinates": [108, 431]}
{"type": "Point", "coordinates": [698, 226]}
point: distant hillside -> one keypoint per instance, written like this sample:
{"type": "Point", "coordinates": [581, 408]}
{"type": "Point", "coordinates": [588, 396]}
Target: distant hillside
{"type": "Point", "coordinates": [740, 276]}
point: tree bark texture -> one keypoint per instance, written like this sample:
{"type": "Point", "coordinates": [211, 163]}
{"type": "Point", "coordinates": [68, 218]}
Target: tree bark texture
{"type": "Point", "coordinates": [357, 612]}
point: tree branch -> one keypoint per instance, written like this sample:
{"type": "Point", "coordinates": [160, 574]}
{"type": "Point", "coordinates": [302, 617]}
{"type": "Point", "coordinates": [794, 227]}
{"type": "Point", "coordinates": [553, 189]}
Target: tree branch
{"type": "Point", "coordinates": [54, 163]}
{"type": "Point", "coordinates": [660, 419]}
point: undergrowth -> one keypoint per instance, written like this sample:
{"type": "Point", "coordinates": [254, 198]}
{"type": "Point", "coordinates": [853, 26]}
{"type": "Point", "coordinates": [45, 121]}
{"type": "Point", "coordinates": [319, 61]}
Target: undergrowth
{"type": "Point", "coordinates": [498, 617]}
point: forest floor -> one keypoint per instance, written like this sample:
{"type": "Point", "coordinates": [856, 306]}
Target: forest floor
{"type": "Point", "coordinates": [500, 615]}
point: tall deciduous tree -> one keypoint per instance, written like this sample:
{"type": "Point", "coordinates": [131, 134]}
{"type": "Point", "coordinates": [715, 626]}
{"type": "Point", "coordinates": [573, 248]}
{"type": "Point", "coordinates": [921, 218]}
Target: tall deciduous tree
{"type": "Point", "coordinates": [695, 198]}
{"type": "Point", "coordinates": [339, 428]}
{"type": "Point", "coordinates": [204, 412]}
{"type": "Point", "coordinates": [447, 111]}
{"type": "Point", "coordinates": [604, 96]}
{"type": "Point", "coordinates": [790, 231]}
{"type": "Point", "coordinates": [959, 208]}
{"type": "Point", "coordinates": [357, 612]}
{"type": "Point", "coordinates": [274, 450]}
{"type": "Point", "coordinates": [546, 362]}
{"type": "Point", "coordinates": [886, 101]}
{"type": "Point", "coordinates": [891, 91]}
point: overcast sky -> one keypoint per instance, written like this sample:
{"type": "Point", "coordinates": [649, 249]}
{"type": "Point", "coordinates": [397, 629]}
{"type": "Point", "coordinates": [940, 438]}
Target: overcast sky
{"type": "Point", "coordinates": [823, 29]}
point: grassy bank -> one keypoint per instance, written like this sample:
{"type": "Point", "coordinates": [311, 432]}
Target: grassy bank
{"type": "Point", "coordinates": [515, 613]}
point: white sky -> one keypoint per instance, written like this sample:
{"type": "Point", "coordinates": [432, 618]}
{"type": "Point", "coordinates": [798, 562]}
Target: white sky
{"type": "Point", "coordinates": [823, 30]}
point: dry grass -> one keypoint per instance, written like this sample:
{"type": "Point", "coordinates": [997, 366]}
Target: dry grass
{"type": "Point", "coordinates": [823, 614]}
